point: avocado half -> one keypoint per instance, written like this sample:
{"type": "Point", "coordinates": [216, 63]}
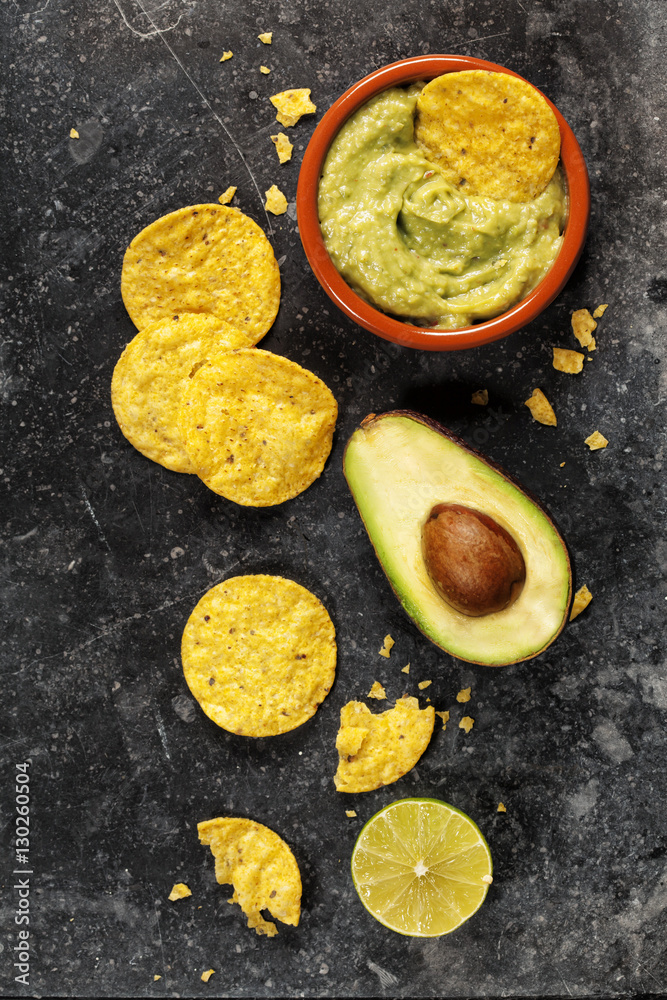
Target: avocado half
{"type": "Point", "coordinates": [398, 465]}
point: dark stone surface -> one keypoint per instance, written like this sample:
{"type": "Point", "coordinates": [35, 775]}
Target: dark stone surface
{"type": "Point", "coordinates": [105, 553]}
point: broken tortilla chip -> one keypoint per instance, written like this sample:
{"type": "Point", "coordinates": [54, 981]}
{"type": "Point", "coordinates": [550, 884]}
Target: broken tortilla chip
{"type": "Point", "coordinates": [582, 599]}
{"type": "Point", "coordinates": [226, 55]}
{"type": "Point", "coordinates": [283, 147]}
{"type": "Point", "coordinates": [276, 202]}
{"type": "Point", "coordinates": [377, 691]}
{"type": "Point", "coordinates": [386, 647]}
{"type": "Point", "coordinates": [466, 723]}
{"type": "Point", "coordinates": [463, 695]}
{"type": "Point", "coordinates": [480, 397]}
{"type": "Point", "coordinates": [205, 976]}
{"type": "Point", "coordinates": [541, 408]}
{"type": "Point", "coordinates": [180, 891]}
{"type": "Point", "coordinates": [445, 718]}
{"type": "Point", "coordinates": [291, 105]}
{"type": "Point", "coordinates": [595, 441]}
{"type": "Point", "coordinates": [583, 325]}
{"type": "Point", "coordinates": [227, 195]}
{"type": "Point", "coordinates": [260, 866]}
{"type": "Point", "coordinates": [568, 361]}
{"type": "Point", "coordinates": [266, 37]}
{"type": "Point", "coordinates": [600, 311]}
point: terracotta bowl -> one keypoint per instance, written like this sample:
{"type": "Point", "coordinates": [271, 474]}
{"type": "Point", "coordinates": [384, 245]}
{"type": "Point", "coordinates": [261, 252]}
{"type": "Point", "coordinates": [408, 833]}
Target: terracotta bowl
{"type": "Point", "coordinates": [401, 74]}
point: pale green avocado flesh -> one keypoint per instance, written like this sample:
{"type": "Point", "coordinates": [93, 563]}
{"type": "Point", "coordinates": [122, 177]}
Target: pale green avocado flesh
{"type": "Point", "coordinates": [398, 466]}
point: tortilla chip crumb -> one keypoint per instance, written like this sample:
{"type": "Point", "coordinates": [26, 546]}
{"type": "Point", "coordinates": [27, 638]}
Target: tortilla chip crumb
{"type": "Point", "coordinates": [283, 147]}
{"type": "Point", "coordinates": [155, 978]}
{"type": "Point", "coordinates": [501, 808]}
{"type": "Point", "coordinates": [292, 104]}
{"type": "Point", "coordinates": [265, 70]}
{"type": "Point", "coordinates": [583, 325]}
{"type": "Point", "coordinates": [377, 691]}
{"type": "Point", "coordinates": [466, 723]}
{"type": "Point", "coordinates": [276, 202]}
{"type": "Point", "coordinates": [266, 37]}
{"type": "Point", "coordinates": [561, 465]}
{"type": "Point", "coordinates": [488, 879]}
{"type": "Point", "coordinates": [480, 397]}
{"type": "Point", "coordinates": [600, 311]}
{"type": "Point", "coordinates": [226, 55]}
{"type": "Point", "coordinates": [205, 976]}
{"type": "Point", "coordinates": [73, 134]}
{"type": "Point", "coordinates": [595, 441]}
{"type": "Point", "coordinates": [350, 813]}
{"type": "Point", "coordinates": [445, 718]}
{"type": "Point", "coordinates": [424, 684]}
{"type": "Point", "coordinates": [582, 599]}
{"type": "Point", "coordinates": [463, 695]}
{"type": "Point", "coordinates": [386, 649]}
{"type": "Point", "coordinates": [180, 891]}
{"type": "Point", "coordinates": [227, 195]}
{"type": "Point", "coordinates": [541, 408]}
{"type": "Point", "coordinates": [568, 361]}
{"type": "Point", "coordinates": [406, 669]}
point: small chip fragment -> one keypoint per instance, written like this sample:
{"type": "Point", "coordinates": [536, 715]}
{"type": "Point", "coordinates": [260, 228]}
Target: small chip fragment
{"type": "Point", "coordinates": [541, 408]}
{"type": "Point", "coordinates": [291, 105]}
{"type": "Point", "coordinates": [386, 648]}
{"type": "Point", "coordinates": [463, 695]}
{"type": "Point", "coordinates": [276, 202]}
{"type": "Point", "coordinates": [406, 669]}
{"type": "Point", "coordinates": [350, 813]}
{"type": "Point", "coordinates": [394, 742]}
{"type": "Point", "coordinates": [377, 691]}
{"type": "Point", "coordinates": [445, 718]}
{"type": "Point", "coordinates": [260, 866]}
{"type": "Point", "coordinates": [466, 723]}
{"type": "Point", "coordinates": [265, 70]}
{"type": "Point", "coordinates": [203, 259]}
{"type": "Point", "coordinates": [73, 134]}
{"type": "Point", "coordinates": [595, 441]}
{"type": "Point", "coordinates": [501, 808]}
{"type": "Point", "coordinates": [205, 976]}
{"type": "Point", "coordinates": [283, 147]}
{"type": "Point", "coordinates": [227, 195]}
{"type": "Point", "coordinates": [568, 361]}
{"type": "Point", "coordinates": [583, 325]}
{"type": "Point", "coordinates": [488, 879]}
{"type": "Point", "coordinates": [480, 397]}
{"type": "Point", "coordinates": [180, 891]}
{"type": "Point", "coordinates": [266, 37]}
{"type": "Point", "coordinates": [258, 428]}
{"type": "Point", "coordinates": [155, 978]}
{"type": "Point", "coordinates": [582, 599]}
{"type": "Point", "coordinates": [424, 684]}
{"type": "Point", "coordinates": [600, 311]}
{"type": "Point", "coordinates": [226, 55]}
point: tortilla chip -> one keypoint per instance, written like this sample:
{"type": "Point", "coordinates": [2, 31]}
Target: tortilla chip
{"type": "Point", "coordinates": [225, 56]}
{"type": "Point", "coordinates": [180, 891]}
{"type": "Point", "coordinates": [386, 647]}
{"type": "Point", "coordinates": [257, 427]}
{"type": "Point", "coordinates": [406, 669]}
{"type": "Point", "coordinates": [480, 397]}
{"type": "Point", "coordinates": [260, 866]}
{"type": "Point", "coordinates": [583, 325]}
{"type": "Point", "coordinates": [208, 259]}
{"type": "Point", "coordinates": [463, 696]}
{"type": "Point", "coordinates": [492, 132]}
{"type": "Point", "coordinates": [205, 976]}
{"type": "Point", "coordinates": [445, 718]}
{"type": "Point", "coordinates": [73, 134]}
{"type": "Point", "coordinates": [424, 684]}
{"type": "Point", "coordinates": [227, 195]}
{"type": "Point", "coordinates": [541, 408]}
{"type": "Point", "coordinates": [276, 202]}
{"type": "Point", "coordinates": [568, 361]}
{"type": "Point", "coordinates": [266, 37]}
{"type": "Point", "coordinates": [150, 376]}
{"type": "Point", "coordinates": [350, 813]}
{"type": "Point", "coordinates": [600, 311]}
{"type": "Point", "coordinates": [283, 147]}
{"type": "Point", "coordinates": [466, 723]}
{"type": "Point", "coordinates": [265, 70]}
{"type": "Point", "coordinates": [582, 599]}
{"type": "Point", "coordinates": [595, 441]}
{"type": "Point", "coordinates": [377, 691]}
{"type": "Point", "coordinates": [259, 654]}
{"type": "Point", "coordinates": [394, 742]}
{"type": "Point", "coordinates": [292, 105]}
{"type": "Point", "coordinates": [501, 808]}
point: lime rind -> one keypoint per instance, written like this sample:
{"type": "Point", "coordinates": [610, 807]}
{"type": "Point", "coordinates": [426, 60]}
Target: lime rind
{"type": "Point", "coordinates": [420, 867]}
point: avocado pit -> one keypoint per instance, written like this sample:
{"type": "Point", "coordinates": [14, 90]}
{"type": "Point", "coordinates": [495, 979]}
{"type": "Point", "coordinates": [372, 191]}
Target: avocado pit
{"type": "Point", "coordinates": [475, 564]}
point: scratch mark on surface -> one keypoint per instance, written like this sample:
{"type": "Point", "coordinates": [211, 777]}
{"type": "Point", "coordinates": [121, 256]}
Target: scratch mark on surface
{"type": "Point", "coordinates": [482, 38]}
{"type": "Point", "coordinates": [22, 538]}
{"type": "Point", "coordinates": [648, 971]}
{"type": "Point", "coordinates": [163, 735]}
{"type": "Point", "coordinates": [210, 107]}
{"type": "Point", "coordinates": [90, 510]}
{"type": "Point", "coordinates": [157, 918]}
{"type": "Point", "coordinates": [386, 978]}
{"type": "Point", "coordinates": [155, 30]}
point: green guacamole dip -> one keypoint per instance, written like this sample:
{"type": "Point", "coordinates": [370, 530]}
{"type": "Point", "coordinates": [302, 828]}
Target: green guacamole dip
{"type": "Point", "coordinates": [412, 244]}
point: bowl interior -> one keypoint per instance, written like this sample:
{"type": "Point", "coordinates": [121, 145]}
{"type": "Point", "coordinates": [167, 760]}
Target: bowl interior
{"type": "Point", "coordinates": [402, 74]}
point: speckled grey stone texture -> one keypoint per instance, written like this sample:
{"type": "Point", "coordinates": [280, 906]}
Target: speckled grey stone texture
{"type": "Point", "coordinates": [105, 553]}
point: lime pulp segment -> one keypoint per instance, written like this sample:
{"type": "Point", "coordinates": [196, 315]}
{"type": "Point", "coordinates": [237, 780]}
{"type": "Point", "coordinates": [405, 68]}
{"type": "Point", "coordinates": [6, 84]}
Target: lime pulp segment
{"type": "Point", "coordinates": [421, 867]}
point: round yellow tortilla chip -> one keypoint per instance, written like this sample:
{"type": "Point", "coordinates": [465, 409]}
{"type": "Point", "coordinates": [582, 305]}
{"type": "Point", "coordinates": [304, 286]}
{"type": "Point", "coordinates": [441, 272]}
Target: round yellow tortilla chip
{"type": "Point", "coordinates": [259, 654]}
{"type": "Point", "coordinates": [150, 376]}
{"type": "Point", "coordinates": [257, 427]}
{"type": "Point", "coordinates": [260, 866]}
{"type": "Point", "coordinates": [491, 132]}
{"type": "Point", "coordinates": [203, 259]}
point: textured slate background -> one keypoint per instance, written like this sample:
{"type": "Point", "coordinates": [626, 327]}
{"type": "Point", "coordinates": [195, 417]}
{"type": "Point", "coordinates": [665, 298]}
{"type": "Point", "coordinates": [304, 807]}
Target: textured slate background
{"type": "Point", "coordinates": [105, 553]}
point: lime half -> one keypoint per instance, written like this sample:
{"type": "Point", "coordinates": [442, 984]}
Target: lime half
{"type": "Point", "coordinates": [421, 867]}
